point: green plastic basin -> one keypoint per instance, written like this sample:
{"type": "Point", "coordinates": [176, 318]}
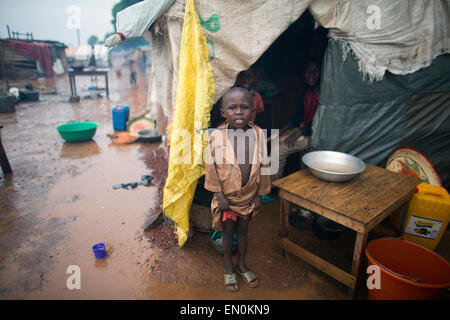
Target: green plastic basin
{"type": "Point", "coordinates": [77, 131]}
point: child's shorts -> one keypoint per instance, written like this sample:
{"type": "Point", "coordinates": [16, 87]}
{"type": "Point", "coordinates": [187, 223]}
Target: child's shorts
{"type": "Point", "coordinates": [229, 215]}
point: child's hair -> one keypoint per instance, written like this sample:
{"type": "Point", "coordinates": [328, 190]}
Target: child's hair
{"type": "Point", "coordinates": [238, 88]}
{"type": "Point", "coordinates": [243, 77]}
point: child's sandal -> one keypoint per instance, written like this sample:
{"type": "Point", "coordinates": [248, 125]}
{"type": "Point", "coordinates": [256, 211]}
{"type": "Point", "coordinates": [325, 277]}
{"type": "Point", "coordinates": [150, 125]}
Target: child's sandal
{"type": "Point", "coordinates": [231, 282]}
{"type": "Point", "coordinates": [249, 278]}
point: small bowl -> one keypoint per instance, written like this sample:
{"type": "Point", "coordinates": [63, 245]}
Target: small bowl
{"type": "Point", "coordinates": [333, 166]}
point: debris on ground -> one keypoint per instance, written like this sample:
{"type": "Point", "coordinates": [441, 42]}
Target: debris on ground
{"type": "Point", "coordinates": [164, 236]}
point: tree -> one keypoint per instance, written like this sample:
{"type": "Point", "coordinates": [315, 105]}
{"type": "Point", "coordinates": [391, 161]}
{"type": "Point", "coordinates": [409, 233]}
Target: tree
{"type": "Point", "coordinates": [92, 40]}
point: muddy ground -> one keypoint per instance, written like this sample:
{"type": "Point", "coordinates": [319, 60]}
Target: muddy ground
{"type": "Point", "coordinates": [59, 201]}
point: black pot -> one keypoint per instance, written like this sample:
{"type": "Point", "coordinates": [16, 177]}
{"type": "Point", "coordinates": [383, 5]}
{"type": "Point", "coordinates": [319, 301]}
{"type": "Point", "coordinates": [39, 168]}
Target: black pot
{"type": "Point", "coordinates": [78, 68]}
{"type": "Point", "coordinates": [327, 229]}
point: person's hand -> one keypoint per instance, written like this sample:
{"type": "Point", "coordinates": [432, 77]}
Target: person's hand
{"type": "Point", "coordinates": [257, 201]}
{"type": "Point", "coordinates": [290, 141]}
{"type": "Point", "coordinates": [223, 202]}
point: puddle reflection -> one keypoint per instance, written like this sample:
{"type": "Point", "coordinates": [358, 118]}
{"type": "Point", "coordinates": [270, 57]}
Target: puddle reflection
{"type": "Point", "coordinates": [80, 149]}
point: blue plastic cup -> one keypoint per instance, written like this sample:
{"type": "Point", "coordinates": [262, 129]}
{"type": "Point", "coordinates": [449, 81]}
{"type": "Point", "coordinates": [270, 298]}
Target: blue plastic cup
{"type": "Point", "coordinates": [99, 251]}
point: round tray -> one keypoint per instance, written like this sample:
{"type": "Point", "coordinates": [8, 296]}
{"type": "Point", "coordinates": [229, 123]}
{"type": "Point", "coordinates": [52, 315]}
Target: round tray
{"type": "Point", "coordinates": [413, 163]}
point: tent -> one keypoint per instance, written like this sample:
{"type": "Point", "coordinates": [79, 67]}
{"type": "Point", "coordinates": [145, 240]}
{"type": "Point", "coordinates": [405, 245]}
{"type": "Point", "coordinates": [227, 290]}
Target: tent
{"type": "Point", "coordinates": [30, 58]}
{"type": "Point", "coordinates": [82, 54]}
{"type": "Point", "coordinates": [384, 80]}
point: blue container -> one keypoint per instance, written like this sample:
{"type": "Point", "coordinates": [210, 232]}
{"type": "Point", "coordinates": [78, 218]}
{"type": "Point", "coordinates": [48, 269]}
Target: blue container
{"type": "Point", "coordinates": [120, 116]}
{"type": "Point", "coordinates": [99, 251]}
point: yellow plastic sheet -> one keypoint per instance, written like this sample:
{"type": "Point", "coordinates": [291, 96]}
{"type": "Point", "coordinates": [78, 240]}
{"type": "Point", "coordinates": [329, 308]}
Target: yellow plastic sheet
{"type": "Point", "coordinates": [194, 100]}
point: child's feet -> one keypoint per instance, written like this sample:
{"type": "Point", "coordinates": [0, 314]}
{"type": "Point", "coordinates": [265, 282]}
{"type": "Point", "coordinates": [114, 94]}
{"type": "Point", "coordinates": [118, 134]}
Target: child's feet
{"type": "Point", "coordinates": [249, 277]}
{"type": "Point", "coordinates": [231, 282]}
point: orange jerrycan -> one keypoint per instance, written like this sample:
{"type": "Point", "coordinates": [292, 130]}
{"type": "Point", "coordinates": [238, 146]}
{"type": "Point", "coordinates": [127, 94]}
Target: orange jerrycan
{"type": "Point", "coordinates": [428, 215]}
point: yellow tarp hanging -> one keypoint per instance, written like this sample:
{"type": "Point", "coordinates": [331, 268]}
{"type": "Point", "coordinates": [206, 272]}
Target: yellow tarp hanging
{"type": "Point", "coordinates": [194, 100]}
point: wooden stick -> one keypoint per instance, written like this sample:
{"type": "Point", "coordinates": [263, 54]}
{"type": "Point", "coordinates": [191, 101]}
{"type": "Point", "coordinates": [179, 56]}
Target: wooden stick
{"type": "Point", "coordinates": [317, 262]}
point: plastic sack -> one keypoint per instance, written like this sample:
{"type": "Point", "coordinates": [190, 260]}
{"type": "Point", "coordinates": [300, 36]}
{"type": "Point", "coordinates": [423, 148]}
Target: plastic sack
{"type": "Point", "coordinates": [133, 21]}
{"type": "Point", "coordinates": [194, 100]}
{"type": "Point", "coordinates": [216, 240]}
{"type": "Point", "coordinates": [58, 67]}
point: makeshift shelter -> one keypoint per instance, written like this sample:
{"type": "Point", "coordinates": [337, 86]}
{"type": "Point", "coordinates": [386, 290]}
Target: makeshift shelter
{"type": "Point", "coordinates": [384, 80]}
{"type": "Point", "coordinates": [22, 59]}
{"type": "Point", "coordinates": [82, 54]}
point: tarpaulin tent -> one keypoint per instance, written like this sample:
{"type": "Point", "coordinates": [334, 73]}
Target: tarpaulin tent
{"type": "Point", "coordinates": [83, 53]}
{"type": "Point", "coordinates": [369, 43]}
{"type": "Point", "coordinates": [372, 120]}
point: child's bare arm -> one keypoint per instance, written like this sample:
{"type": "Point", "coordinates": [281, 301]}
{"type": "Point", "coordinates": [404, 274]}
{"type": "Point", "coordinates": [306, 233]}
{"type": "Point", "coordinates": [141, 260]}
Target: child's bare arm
{"type": "Point", "coordinates": [223, 201]}
{"type": "Point", "coordinates": [258, 201]}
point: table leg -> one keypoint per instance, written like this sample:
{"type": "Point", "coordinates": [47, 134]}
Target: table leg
{"type": "Point", "coordinates": [360, 246]}
{"type": "Point", "coordinates": [71, 85]}
{"type": "Point", "coordinates": [6, 168]}
{"type": "Point", "coordinates": [74, 86]}
{"type": "Point", "coordinates": [284, 214]}
{"type": "Point", "coordinates": [106, 85]}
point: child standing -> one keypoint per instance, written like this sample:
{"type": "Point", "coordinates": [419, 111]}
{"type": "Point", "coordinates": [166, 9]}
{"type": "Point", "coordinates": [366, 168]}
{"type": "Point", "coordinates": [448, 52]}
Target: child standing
{"type": "Point", "coordinates": [237, 173]}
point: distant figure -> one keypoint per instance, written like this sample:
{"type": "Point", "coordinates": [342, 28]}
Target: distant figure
{"type": "Point", "coordinates": [132, 73]}
{"type": "Point", "coordinates": [92, 62]}
{"type": "Point", "coordinates": [140, 59]}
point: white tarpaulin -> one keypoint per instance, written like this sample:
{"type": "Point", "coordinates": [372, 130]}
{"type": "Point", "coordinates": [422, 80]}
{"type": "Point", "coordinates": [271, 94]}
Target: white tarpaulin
{"type": "Point", "coordinates": [84, 52]}
{"type": "Point", "coordinates": [400, 36]}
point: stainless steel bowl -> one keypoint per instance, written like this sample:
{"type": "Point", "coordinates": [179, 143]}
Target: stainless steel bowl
{"type": "Point", "coordinates": [333, 166]}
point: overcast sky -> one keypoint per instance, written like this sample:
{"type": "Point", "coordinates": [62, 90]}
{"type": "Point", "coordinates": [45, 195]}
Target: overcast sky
{"type": "Point", "coordinates": [48, 19]}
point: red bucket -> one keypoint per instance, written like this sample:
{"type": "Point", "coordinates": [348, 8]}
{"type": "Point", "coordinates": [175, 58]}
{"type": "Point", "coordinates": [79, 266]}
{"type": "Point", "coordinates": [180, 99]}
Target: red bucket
{"type": "Point", "coordinates": [408, 271]}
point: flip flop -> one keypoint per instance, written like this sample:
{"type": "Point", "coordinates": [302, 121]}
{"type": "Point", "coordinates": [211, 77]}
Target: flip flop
{"type": "Point", "coordinates": [249, 278]}
{"type": "Point", "coordinates": [231, 282]}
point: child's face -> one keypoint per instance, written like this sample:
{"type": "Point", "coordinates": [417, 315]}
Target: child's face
{"type": "Point", "coordinates": [247, 80]}
{"type": "Point", "coordinates": [312, 74]}
{"type": "Point", "coordinates": [237, 109]}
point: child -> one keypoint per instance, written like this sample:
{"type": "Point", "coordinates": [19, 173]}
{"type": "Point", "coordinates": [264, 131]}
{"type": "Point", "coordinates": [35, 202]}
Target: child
{"type": "Point", "coordinates": [296, 136]}
{"type": "Point", "coordinates": [235, 173]}
{"type": "Point", "coordinates": [247, 80]}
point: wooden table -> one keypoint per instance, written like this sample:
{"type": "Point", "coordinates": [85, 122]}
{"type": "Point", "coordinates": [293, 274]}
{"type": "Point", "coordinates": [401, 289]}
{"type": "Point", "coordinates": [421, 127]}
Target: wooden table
{"type": "Point", "coordinates": [359, 204]}
{"type": "Point", "coordinates": [87, 72]}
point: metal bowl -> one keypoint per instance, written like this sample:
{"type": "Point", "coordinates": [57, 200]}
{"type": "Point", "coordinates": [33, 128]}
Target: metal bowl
{"type": "Point", "coordinates": [149, 135]}
{"type": "Point", "coordinates": [333, 166]}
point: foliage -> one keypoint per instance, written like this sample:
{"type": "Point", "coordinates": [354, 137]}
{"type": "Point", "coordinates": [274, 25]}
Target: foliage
{"type": "Point", "coordinates": [92, 40]}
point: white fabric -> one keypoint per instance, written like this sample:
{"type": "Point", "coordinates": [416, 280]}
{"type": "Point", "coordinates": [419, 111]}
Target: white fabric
{"type": "Point", "coordinates": [399, 36]}
{"type": "Point", "coordinates": [113, 40]}
{"type": "Point", "coordinates": [133, 21]}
